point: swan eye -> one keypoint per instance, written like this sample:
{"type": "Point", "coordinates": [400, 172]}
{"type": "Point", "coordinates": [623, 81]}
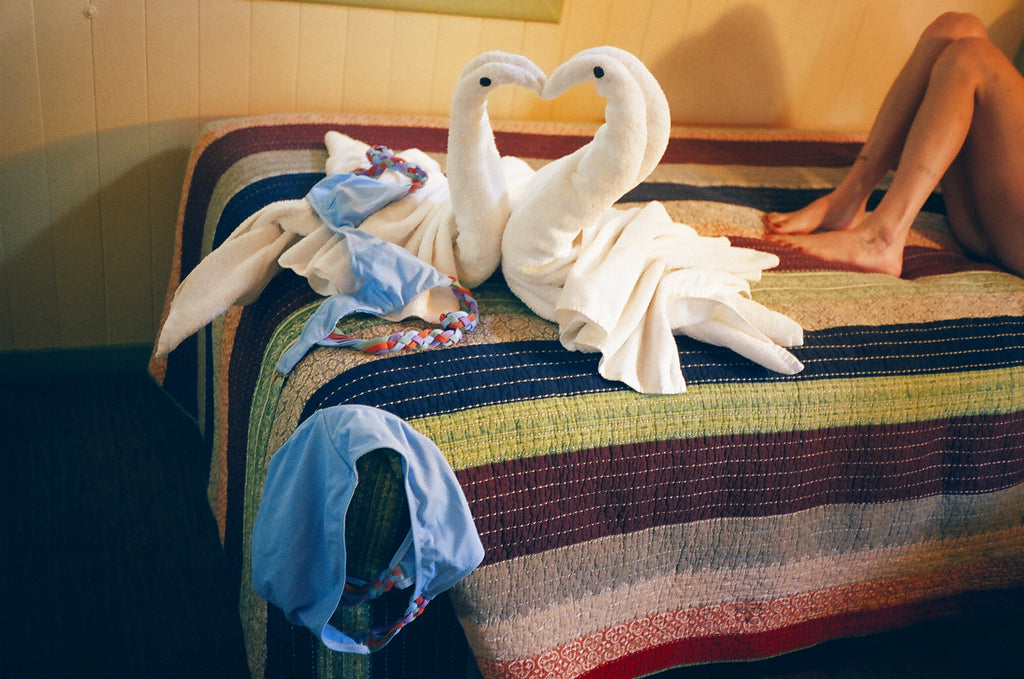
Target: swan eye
{"type": "Point", "coordinates": [485, 82]}
{"type": "Point", "coordinates": [598, 72]}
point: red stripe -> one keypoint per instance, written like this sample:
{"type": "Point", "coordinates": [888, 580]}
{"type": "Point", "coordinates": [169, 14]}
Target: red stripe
{"type": "Point", "coordinates": [763, 645]}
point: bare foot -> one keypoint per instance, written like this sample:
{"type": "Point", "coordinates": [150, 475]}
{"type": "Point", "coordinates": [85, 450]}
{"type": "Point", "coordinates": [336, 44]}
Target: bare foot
{"type": "Point", "coordinates": [824, 214]}
{"type": "Point", "coordinates": [860, 247]}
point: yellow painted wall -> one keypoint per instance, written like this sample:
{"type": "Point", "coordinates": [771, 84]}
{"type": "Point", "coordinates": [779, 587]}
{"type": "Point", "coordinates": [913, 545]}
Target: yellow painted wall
{"type": "Point", "coordinates": [100, 101]}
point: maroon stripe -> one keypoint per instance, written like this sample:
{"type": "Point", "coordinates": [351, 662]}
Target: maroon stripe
{"type": "Point", "coordinates": [704, 151]}
{"type": "Point", "coordinates": [769, 153]}
{"type": "Point", "coordinates": [918, 261]}
{"type": "Point", "coordinates": [531, 505]}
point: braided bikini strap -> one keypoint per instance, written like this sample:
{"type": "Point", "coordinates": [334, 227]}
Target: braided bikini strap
{"type": "Point", "coordinates": [453, 324]}
{"type": "Point", "coordinates": [383, 159]}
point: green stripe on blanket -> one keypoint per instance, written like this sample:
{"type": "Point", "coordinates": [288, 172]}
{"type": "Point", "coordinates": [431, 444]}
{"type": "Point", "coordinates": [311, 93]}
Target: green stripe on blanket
{"type": "Point", "coordinates": [490, 434]}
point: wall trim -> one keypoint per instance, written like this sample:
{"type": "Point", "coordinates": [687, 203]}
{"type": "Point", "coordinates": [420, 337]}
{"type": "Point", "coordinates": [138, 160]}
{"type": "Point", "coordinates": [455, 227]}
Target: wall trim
{"type": "Point", "coordinates": [78, 361]}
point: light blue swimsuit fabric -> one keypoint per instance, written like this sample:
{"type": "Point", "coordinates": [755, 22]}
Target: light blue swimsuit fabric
{"type": "Point", "coordinates": [346, 199]}
{"type": "Point", "coordinates": [298, 541]}
{"type": "Point", "coordinates": [389, 276]}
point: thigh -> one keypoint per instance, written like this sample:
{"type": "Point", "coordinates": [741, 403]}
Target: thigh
{"type": "Point", "coordinates": [989, 172]}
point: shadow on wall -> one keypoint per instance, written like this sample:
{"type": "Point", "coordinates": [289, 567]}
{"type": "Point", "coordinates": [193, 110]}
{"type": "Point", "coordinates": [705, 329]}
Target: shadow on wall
{"type": "Point", "coordinates": [1007, 32]}
{"type": "Point", "coordinates": [85, 254]}
{"type": "Point", "coordinates": [729, 75]}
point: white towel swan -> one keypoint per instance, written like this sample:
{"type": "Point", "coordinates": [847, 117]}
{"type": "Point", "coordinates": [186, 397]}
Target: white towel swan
{"type": "Point", "coordinates": [623, 282]}
{"type": "Point", "coordinates": [455, 226]}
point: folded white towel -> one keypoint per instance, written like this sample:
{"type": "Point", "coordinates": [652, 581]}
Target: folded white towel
{"type": "Point", "coordinates": [236, 271]}
{"type": "Point", "coordinates": [454, 227]}
{"type": "Point", "coordinates": [624, 282]}
{"type": "Point", "coordinates": [642, 278]}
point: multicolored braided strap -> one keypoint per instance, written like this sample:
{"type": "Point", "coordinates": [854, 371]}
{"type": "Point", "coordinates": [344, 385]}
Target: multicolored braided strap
{"type": "Point", "coordinates": [383, 159]}
{"type": "Point", "coordinates": [375, 637]}
{"type": "Point", "coordinates": [453, 324]}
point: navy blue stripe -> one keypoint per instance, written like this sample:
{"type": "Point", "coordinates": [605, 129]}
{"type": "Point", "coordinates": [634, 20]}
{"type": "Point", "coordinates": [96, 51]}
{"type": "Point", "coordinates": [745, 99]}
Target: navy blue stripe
{"type": "Point", "coordinates": [258, 195]}
{"type": "Point", "coordinates": [769, 199]}
{"type": "Point", "coordinates": [450, 380]}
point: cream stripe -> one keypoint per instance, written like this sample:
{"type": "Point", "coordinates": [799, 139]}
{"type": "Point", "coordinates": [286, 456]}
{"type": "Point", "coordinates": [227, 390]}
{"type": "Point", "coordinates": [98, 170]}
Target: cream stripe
{"type": "Point", "coordinates": [745, 618]}
{"type": "Point", "coordinates": [825, 300]}
{"type": "Point", "coordinates": [733, 545]}
{"type": "Point", "coordinates": [989, 561]}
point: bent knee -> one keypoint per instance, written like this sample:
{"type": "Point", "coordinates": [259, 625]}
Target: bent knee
{"type": "Point", "coordinates": [972, 57]}
{"type": "Point", "coordinates": [954, 26]}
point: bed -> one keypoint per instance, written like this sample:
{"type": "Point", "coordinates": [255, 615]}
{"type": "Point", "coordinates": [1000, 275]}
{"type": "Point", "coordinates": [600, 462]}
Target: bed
{"type": "Point", "coordinates": [625, 534]}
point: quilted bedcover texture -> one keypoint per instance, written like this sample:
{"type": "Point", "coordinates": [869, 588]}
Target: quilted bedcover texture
{"type": "Point", "coordinates": [757, 513]}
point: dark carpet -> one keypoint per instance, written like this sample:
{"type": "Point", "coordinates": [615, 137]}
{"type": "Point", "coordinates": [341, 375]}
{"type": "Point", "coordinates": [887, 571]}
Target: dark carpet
{"type": "Point", "coordinates": [113, 567]}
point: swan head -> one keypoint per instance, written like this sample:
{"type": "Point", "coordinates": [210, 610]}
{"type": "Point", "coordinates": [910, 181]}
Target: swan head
{"type": "Point", "coordinates": [487, 71]}
{"type": "Point", "coordinates": [608, 74]}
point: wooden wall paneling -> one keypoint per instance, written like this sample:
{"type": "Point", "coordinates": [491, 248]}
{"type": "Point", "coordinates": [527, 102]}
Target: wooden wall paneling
{"type": "Point", "coordinates": [458, 40]}
{"type": "Point", "coordinates": [874, 61]}
{"type": "Point", "coordinates": [273, 57]}
{"type": "Point", "coordinates": [172, 63]}
{"type": "Point", "coordinates": [827, 73]}
{"type": "Point", "coordinates": [666, 22]}
{"type": "Point", "coordinates": [28, 286]}
{"type": "Point", "coordinates": [369, 40]}
{"type": "Point", "coordinates": [119, 56]}
{"type": "Point", "coordinates": [67, 89]}
{"type": "Point", "coordinates": [224, 38]}
{"type": "Point", "coordinates": [322, 31]}
{"type": "Point", "coordinates": [542, 43]}
{"type": "Point", "coordinates": [410, 78]}
{"type": "Point", "coordinates": [586, 25]}
{"type": "Point", "coordinates": [801, 39]}
{"type": "Point", "coordinates": [725, 67]}
{"type": "Point", "coordinates": [627, 25]}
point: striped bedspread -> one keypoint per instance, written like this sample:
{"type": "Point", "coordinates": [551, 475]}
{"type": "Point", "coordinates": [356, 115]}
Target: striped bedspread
{"type": "Point", "coordinates": [625, 534]}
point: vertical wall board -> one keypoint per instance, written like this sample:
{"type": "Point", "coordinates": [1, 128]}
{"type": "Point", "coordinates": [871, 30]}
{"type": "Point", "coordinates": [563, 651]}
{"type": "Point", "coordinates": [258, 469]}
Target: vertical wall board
{"type": "Point", "coordinates": [667, 23]}
{"type": "Point", "coordinates": [587, 25]}
{"type": "Point", "coordinates": [64, 53]}
{"type": "Point", "coordinates": [28, 287]}
{"type": "Point", "coordinates": [369, 40]}
{"type": "Point", "coordinates": [273, 57]}
{"type": "Point", "coordinates": [458, 40]}
{"type": "Point", "coordinates": [870, 70]}
{"type": "Point", "coordinates": [119, 57]}
{"type": "Point", "coordinates": [542, 43]}
{"type": "Point", "coordinates": [224, 30]}
{"type": "Point", "coordinates": [322, 30]}
{"type": "Point", "coordinates": [829, 69]}
{"type": "Point", "coordinates": [627, 26]}
{"type": "Point", "coordinates": [410, 80]}
{"type": "Point", "coordinates": [801, 41]}
{"type": "Point", "coordinates": [172, 62]}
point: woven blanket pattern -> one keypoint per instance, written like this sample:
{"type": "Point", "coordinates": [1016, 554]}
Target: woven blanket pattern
{"type": "Point", "coordinates": [625, 534]}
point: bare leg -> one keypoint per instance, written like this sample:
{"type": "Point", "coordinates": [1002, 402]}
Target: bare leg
{"type": "Point", "coordinates": [984, 188]}
{"type": "Point", "coordinates": [967, 133]}
{"type": "Point", "coordinates": [844, 207]}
